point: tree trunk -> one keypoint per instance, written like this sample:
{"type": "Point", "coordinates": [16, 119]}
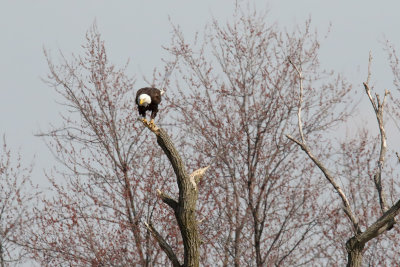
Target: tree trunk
{"type": "Point", "coordinates": [185, 207]}
{"type": "Point", "coordinates": [354, 252]}
{"type": "Point", "coordinates": [355, 258]}
{"type": "Point", "coordinates": [185, 212]}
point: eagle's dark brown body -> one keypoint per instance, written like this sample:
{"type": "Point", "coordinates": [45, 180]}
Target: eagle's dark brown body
{"type": "Point", "coordinates": [155, 95]}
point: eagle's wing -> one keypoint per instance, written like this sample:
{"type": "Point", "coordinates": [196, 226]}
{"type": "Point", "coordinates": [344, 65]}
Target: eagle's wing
{"type": "Point", "coordinates": [155, 96]}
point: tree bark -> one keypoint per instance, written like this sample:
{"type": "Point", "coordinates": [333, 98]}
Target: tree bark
{"type": "Point", "coordinates": [354, 252]}
{"type": "Point", "coordinates": [185, 207]}
{"type": "Point", "coordinates": [1, 256]}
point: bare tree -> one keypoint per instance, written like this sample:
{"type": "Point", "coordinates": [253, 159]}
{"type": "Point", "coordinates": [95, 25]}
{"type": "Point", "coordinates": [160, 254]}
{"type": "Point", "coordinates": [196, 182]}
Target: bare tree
{"type": "Point", "coordinates": [240, 89]}
{"type": "Point", "coordinates": [373, 220]}
{"type": "Point", "coordinates": [235, 101]}
{"type": "Point", "coordinates": [110, 169]}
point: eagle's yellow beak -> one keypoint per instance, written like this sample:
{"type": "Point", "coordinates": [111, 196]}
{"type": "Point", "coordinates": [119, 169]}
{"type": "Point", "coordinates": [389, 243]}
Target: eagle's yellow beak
{"type": "Point", "coordinates": [141, 101]}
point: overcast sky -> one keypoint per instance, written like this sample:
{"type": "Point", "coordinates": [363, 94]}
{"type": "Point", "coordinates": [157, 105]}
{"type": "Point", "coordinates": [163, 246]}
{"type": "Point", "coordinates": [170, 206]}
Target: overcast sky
{"type": "Point", "coordinates": [137, 30]}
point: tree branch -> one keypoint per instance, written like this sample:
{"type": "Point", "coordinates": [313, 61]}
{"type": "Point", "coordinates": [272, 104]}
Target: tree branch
{"type": "Point", "coordinates": [383, 224]}
{"type": "Point", "coordinates": [329, 177]}
{"type": "Point", "coordinates": [300, 124]}
{"type": "Point", "coordinates": [378, 108]}
{"type": "Point", "coordinates": [167, 199]}
{"type": "Point", "coordinates": [325, 171]}
{"type": "Point", "coordinates": [163, 245]}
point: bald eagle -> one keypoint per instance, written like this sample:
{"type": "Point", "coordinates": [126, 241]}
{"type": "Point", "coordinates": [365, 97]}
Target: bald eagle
{"type": "Point", "coordinates": [148, 98]}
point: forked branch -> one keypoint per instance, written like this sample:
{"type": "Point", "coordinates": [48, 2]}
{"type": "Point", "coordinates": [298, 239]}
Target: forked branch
{"type": "Point", "coordinates": [355, 245]}
{"type": "Point", "coordinates": [302, 144]}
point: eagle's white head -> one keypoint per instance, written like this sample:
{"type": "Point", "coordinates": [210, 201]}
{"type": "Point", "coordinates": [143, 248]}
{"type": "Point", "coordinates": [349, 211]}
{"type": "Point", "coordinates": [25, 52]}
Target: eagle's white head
{"type": "Point", "coordinates": [144, 100]}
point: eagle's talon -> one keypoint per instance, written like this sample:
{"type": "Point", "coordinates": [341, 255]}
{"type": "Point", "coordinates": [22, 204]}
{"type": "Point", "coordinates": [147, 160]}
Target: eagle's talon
{"type": "Point", "coordinates": [152, 122]}
{"type": "Point", "coordinates": [144, 121]}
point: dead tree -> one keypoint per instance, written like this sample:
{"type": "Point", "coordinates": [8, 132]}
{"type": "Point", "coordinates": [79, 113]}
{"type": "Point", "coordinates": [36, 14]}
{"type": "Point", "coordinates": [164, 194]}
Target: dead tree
{"type": "Point", "coordinates": [184, 208]}
{"type": "Point", "coordinates": [355, 246]}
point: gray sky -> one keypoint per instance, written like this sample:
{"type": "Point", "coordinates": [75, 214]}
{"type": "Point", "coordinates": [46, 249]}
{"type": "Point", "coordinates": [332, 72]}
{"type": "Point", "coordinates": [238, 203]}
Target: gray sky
{"type": "Point", "coordinates": [137, 29]}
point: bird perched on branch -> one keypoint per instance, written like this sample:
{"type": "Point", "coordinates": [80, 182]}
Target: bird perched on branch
{"type": "Point", "coordinates": [148, 98]}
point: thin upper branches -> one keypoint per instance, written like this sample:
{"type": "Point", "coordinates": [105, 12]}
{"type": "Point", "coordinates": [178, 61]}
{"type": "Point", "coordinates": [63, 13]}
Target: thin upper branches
{"type": "Point", "coordinates": [355, 245]}
{"type": "Point", "coordinates": [378, 106]}
{"type": "Point", "coordinates": [320, 165]}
